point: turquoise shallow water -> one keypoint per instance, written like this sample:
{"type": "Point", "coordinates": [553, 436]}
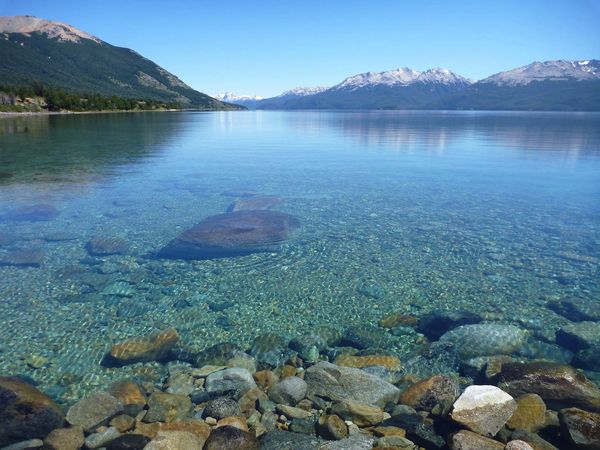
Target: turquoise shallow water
{"type": "Point", "coordinates": [412, 212]}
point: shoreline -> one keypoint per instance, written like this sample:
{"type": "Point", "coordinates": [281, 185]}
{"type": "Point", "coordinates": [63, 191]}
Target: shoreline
{"type": "Point", "coordinates": [61, 113]}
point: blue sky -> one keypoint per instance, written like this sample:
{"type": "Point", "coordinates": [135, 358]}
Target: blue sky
{"type": "Point", "coordinates": [265, 47]}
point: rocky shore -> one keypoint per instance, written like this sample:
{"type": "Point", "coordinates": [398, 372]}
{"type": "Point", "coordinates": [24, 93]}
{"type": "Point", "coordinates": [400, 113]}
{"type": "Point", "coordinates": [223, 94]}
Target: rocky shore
{"type": "Point", "coordinates": [324, 390]}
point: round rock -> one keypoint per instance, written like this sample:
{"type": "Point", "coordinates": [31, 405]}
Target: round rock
{"type": "Point", "coordinates": [288, 391]}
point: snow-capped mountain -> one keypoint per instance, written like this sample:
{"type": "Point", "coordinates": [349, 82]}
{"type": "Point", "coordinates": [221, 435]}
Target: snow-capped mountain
{"type": "Point", "coordinates": [303, 91]}
{"type": "Point", "coordinates": [55, 30]}
{"type": "Point", "coordinates": [401, 77]}
{"type": "Point", "coordinates": [230, 97]}
{"type": "Point", "coordinates": [559, 70]}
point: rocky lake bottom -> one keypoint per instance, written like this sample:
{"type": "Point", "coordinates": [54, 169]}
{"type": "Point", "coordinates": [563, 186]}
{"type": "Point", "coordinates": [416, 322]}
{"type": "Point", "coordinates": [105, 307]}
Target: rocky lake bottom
{"type": "Point", "coordinates": [321, 280]}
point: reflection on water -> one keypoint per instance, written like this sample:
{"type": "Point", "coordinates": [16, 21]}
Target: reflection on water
{"type": "Point", "coordinates": [411, 212]}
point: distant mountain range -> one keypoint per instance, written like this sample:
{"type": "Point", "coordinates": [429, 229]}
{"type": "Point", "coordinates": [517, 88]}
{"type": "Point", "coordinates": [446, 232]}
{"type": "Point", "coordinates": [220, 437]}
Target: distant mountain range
{"type": "Point", "coordinates": [34, 50]}
{"type": "Point", "coordinates": [549, 85]}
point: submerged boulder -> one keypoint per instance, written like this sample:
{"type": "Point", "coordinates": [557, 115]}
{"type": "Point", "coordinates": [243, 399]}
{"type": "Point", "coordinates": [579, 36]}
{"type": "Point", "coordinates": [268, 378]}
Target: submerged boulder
{"type": "Point", "coordinates": [152, 347]}
{"type": "Point", "coordinates": [340, 383]}
{"type": "Point", "coordinates": [32, 213]}
{"type": "Point", "coordinates": [25, 412]}
{"type": "Point", "coordinates": [486, 339]}
{"type": "Point", "coordinates": [558, 385]}
{"type": "Point", "coordinates": [231, 234]}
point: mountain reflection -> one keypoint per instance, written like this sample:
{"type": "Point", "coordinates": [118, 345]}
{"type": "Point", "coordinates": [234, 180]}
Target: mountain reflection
{"type": "Point", "coordinates": [561, 134]}
{"type": "Point", "coordinates": [79, 148]}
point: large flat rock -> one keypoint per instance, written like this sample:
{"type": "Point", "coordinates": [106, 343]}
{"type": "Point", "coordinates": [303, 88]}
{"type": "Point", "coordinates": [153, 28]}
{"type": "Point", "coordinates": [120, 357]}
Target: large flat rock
{"type": "Point", "coordinates": [340, 383]}
{"type": "Point", "coordinates": [231, 234]}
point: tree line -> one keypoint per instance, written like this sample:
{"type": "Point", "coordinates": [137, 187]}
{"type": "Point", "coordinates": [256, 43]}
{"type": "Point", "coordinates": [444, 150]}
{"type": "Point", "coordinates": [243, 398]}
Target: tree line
{"type": "Point", "coordinates": [61, 100]}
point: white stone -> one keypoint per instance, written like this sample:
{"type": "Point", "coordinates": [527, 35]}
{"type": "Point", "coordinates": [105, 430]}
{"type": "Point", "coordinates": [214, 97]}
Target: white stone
{"type": "Point", "coordinates": [483, 409]}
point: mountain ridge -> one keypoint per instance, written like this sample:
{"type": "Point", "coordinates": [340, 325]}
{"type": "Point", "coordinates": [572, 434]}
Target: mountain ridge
{"type": "Point", "coordinates": [34, 50]}
{"type": "Point", "coordinates": [546, 85]}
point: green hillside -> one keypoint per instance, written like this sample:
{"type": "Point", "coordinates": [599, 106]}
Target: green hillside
{"type": "Point", "coordinates": [93, 67]}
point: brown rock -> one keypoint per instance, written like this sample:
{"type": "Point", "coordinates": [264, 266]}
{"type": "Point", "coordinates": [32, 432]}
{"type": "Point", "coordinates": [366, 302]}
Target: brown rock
{"type": "Point", "coordinates": [530, 414]}
{"type": "Point", "coordinates": [231, 234]}
{"type": "Point", "coordinates": [175, 440]}
{"type": "Point", "coordinates": [582, 428]}
{"type": "Point", "coordinates": [93, 411]}
{"type": "Point", "coordinates": [265, 378]}
{"type": "Point", "coordinates": [559, 385]}
{"type": "Point", "coordinates": [361, 414]}
{"type": "Point", "coordinates": [426, 394]}
{"type": "Point", "coordinates": [533, 440]}
{"type": "Point", "coordinates": [231, 438]}
{"type": "Point", "coordinates": [287, 371]}
{"type": "Point", "coordinates": [292, 412]}
{"type": "Point", "coordinates": [195, 426]}
{"type": "Point", "coordinates": [248, 401]}
{"type": "Point", "coordinates": [398, 319]}
{"type": "Point", "coordinates": [65, 439]}
{"type": "Point", "coordinates": [130, 395]}
{"type": "Point", "coordinates": [358, 362]}
{"type": "Point", "coordinates": [332, 427]}
{"type": "Point", "coordinates": [254, 203]}
{"type": "Point", "coordinates": [152, 347]}
{"type": "Point", "coordinates": [381, 431]}
{"type": "Point", "coordinates": [122, 423]}
{"type": "Point", "coordinates": [25, 412]}
{"type": "Point", "coordinates": [164, 407]}
{"type": "Point", "coordinates": [467, 440]}
{"type": "Point", "coordinates": [233, 421]}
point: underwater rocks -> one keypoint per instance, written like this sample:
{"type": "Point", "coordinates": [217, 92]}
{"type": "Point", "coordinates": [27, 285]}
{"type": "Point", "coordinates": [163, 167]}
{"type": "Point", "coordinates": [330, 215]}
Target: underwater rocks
{"type": "Point", "coordinates": [288, 391]}
{"type": "Point", "coordinates": [152, 347]}
{"type": "Point", "coordinates": [483, 409]}
{"type": "Point", "coordinates": [104, 246]}
{"type": "Point", "coordinates": [254, 203]}
{"type": "Point", "coordinates": [231, 438]}
{"type": "Point", "coordinates": [32, 213]}
{"type": "Point", "coordinates": [165, 407]}
{"type": "Point", "coordinates": [486, 339]}
{"type": "Point", "coordinates": [93, 411]}
{"type": "Point", "coordinates": [425, 395]}
{"type": "Point", "coordinates": [361, 414]}
{"type": "Point", "coordinates": [233, 379]}
{"type": "Point", "coordinates": [558, 385]}
{"type": "Point", "coordinates": [340, 383]}
{"type": "Point", "coordinates": [576, 309]}
{"type": "Point", "coordinates": [130, 395]}
{"type": "Point", "coordinates": [582, 428]}
{"type": "Point", "coordinates": [22, 258]}
{"type": "Point", "coordinates": [579, 336]}
{"type": "Point", "coordinates": [435, 324]}
{"type": "Point", "coordinates": [467, 440]}
{"type": "Point", "coordinates": [231, 234]}
{"type": "Point", "coordinates": [25, 412]}
{"type": "Point", "coordinates": [530, 414]}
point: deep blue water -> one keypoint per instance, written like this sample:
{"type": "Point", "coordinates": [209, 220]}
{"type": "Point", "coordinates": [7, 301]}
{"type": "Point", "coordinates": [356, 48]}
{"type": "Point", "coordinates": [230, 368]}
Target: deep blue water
{"type": "Point", "coordinates": [492, 212]}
